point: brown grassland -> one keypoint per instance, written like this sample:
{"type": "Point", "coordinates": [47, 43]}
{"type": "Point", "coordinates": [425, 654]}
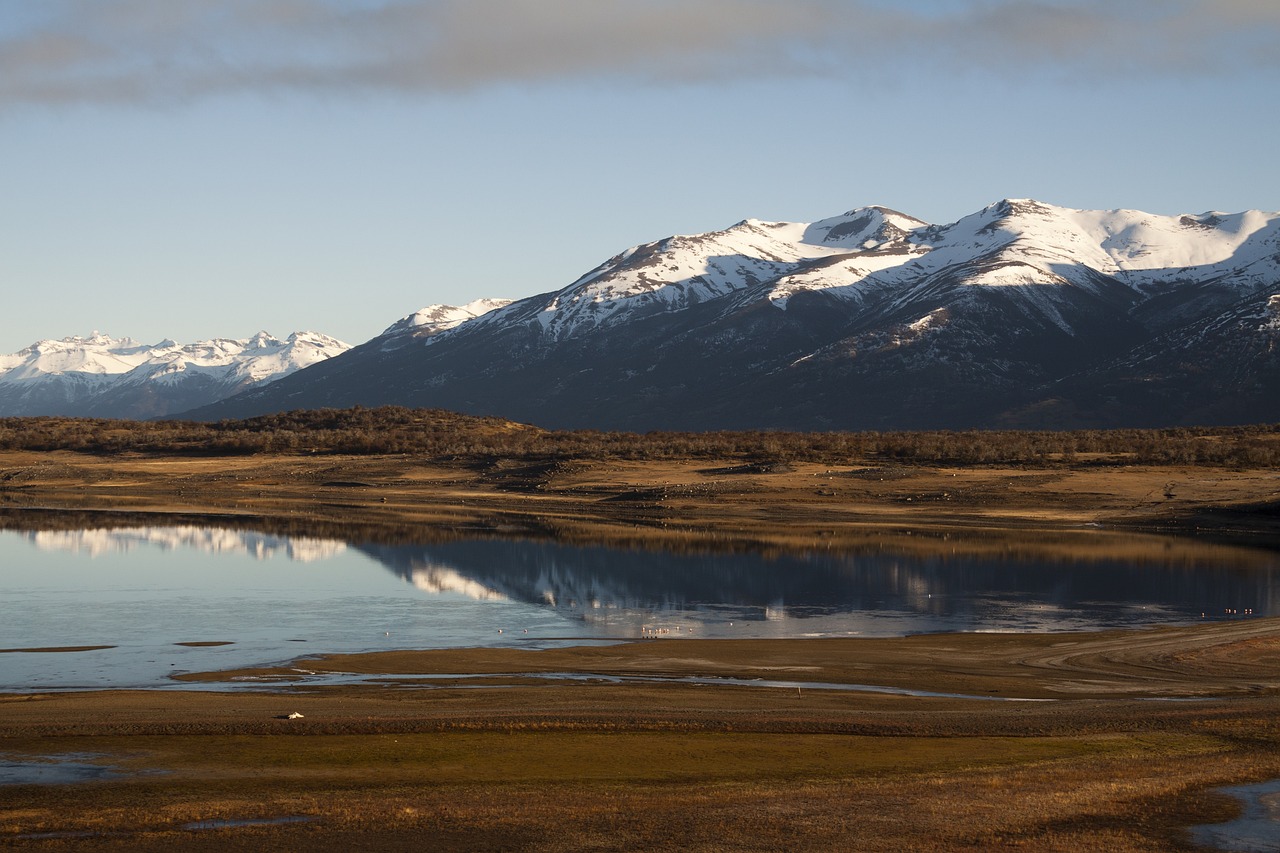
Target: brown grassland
{"type": "Point", "coordinates": [1131, 732]}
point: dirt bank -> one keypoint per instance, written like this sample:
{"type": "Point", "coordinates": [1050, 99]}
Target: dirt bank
{"type": "Point", "coordinates": [672, 502]}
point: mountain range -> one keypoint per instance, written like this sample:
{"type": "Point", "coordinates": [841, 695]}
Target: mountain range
{"type": "Point", "coordinates": [108, 377]}
{"type": "Point", "coordinates": [1022, 314]}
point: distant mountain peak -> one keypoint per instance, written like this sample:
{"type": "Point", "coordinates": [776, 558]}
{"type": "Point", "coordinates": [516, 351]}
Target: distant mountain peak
{"type": "Point", "coordinates": [114, 377]}
{"type": "Point", "coordinates": [863, 228]}
{"type": "Point", "coordinates": [262, 339]}
{"type": "Point", "coordinates": [434, 319]}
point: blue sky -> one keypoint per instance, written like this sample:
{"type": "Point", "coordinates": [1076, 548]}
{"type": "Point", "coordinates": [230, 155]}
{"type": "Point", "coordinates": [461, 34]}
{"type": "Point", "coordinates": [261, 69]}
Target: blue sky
{"type": "Point", "coordinates": [204, 168]}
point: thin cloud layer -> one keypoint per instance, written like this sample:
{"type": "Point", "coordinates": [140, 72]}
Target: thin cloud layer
{"type": "Point", "coordinates": [176, 51]}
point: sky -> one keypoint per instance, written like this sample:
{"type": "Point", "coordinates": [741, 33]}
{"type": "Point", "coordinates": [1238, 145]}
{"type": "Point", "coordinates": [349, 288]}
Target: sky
{"type": "Point", "coordinates": [192, 169]}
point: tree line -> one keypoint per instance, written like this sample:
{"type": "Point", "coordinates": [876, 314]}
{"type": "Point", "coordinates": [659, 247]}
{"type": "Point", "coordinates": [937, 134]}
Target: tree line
{"type": "Point", "coordinates": [445, 435]}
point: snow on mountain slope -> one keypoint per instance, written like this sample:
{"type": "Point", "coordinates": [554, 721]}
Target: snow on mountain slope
{"type": "Point", "coordinates": [875, 253]}
{"type": "Point", "coordinates": [437, 318]}
{"type": "Point", "coordinates": [260, 359]}
{"type": "Point", "coordinates": [95, 356]}
{"type": "Point", "coordinates": [681, 271]}
{"type": "Point", "coordinates": [120, 377]}
{"type": "Point", "coordinates": [1137, 248]}
{"type": "Point", "coordinates": [1138, 242]}
{"type": "Point", "coordinates": [1049, 256]}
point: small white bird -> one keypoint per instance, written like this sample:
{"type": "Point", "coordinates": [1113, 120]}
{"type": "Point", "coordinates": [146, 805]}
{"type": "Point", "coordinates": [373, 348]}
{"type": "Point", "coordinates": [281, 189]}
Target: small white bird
{"type": "Point", "coordinates": [295, 716]}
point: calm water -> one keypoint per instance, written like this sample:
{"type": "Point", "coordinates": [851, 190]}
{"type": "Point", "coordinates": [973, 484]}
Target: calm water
{"type": "Point", "coordinates": [1256, 830]}
{"type": "Point", "coordinates": [145, 591]}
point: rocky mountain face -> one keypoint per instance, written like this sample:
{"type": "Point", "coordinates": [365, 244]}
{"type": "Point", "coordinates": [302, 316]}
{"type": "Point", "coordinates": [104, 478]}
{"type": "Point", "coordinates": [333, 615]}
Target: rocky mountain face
{"type": "Point", "coordinates": [103, 376]}
{"type": "Point", "coordinates": [1022, 314]}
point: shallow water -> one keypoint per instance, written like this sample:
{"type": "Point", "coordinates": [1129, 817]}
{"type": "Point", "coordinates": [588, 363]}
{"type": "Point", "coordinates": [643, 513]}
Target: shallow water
{"type": "Point", "coordinates": [236, 823]}
{"type": "Point", "coordinates": [1258, 829]}
{"type": "Point", "coordinates": [149, 593]}
{"type": "Point", "coordinates": [453, 681]}
{"type": "Point", "coordinates": [59, 769]}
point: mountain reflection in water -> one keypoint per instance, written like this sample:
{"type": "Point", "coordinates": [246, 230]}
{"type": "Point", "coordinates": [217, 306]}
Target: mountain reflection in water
{"type": "Point", "coordinates": [210, 540]}
{"type": "Point", "coordinates": [937, 592]}
{"type": "Point", "coordinates": [158, 595]}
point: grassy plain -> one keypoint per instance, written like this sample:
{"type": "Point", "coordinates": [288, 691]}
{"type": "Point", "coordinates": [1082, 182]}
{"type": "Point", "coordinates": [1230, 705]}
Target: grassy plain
{"type": "Point", "coordinates": [1130, 733]}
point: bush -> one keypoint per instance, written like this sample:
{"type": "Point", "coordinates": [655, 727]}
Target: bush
{"type": "Point", "coordinates": [451, 436]}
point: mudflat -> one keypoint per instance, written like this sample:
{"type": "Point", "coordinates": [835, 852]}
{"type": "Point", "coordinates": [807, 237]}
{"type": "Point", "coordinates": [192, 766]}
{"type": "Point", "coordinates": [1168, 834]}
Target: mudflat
{"type": "Point", "coordinates": [1111, 740]}
{"type": "Point", "coordinates": [1123, 738]}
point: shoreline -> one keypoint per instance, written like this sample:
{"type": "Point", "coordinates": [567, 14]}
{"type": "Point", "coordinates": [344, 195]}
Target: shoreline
{"type": "Point", "coordinates": [509, 762]}
{"type": "Point", "coordinates": [1232, 658]}
{"type": "Point", "coordinates": [1213, 660]}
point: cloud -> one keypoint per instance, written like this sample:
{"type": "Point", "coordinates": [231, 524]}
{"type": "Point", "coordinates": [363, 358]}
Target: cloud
{"type": "Point", "coordinates": [174, 51]}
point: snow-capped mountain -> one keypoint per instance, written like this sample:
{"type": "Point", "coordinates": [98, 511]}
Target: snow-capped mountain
{"type": "Point", "coordinates": [108, 377]}
{"type": "Point", "coordinates": [437, 318]}
{"type": "Point", "coordinates": [1022, 313]}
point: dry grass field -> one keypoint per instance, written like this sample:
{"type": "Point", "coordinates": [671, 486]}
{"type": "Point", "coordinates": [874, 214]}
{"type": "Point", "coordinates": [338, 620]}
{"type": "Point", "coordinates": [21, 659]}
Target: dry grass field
{"type": "Point", "coordinates": [666, 502]}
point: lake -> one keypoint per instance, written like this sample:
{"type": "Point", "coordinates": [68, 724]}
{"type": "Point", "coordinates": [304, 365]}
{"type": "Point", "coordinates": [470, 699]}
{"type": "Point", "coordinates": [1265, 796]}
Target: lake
{"type": "Point", "coordinates": [166, 600]}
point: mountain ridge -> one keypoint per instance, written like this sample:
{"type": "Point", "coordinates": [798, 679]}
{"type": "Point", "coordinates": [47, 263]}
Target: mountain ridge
{"type": "Point", "coordinates": [1021, 314]}
{"type": "Point", "coordinates": [103, 376]}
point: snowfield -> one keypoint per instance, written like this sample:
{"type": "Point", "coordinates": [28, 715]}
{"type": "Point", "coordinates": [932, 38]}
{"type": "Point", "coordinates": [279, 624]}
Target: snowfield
{"type": "Point", "coordinates": [870, 252]}
{"type": "Point", "coordinates": [86, 375]}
